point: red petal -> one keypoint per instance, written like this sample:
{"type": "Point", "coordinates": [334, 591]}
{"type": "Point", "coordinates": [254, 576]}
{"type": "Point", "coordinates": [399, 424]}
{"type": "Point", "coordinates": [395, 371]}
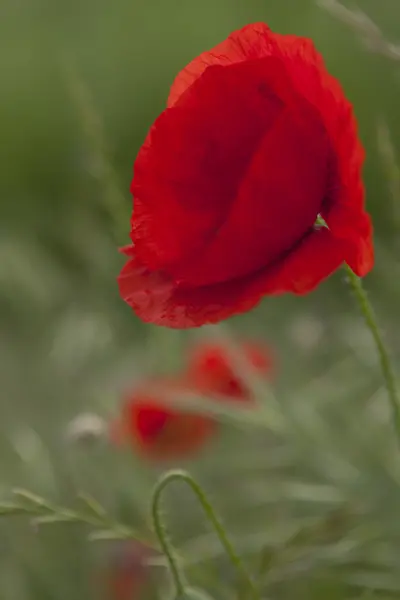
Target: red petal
{"type": "Point", "coordinates": [155, 298]}
{"type": "Point", "coordinates": [249, 42]}
{"type": "Point", "coordinates": [344, 205]}
{"type": "Point", "coordinates": [212, 370]}
{"type": "Point", "coordinates": [161, 431]}
{"type": "Point", "coordinates": [190, 169]}
{"type": "Point", "coordinates": [353, 229]}
{"type": "Point", "coordinates": [307, 71]}
{"type": "Point", "coordinates": [217, 198]}
{"type": "Point", "coordinates": [316, 257]}
{"type": "Point", "coordinates": [277, 202]}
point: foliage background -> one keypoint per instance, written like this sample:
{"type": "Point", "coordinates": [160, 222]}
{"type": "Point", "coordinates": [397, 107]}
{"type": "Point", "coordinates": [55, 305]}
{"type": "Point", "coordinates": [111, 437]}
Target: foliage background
{"type": "Point", "coordinates": [81, 84]}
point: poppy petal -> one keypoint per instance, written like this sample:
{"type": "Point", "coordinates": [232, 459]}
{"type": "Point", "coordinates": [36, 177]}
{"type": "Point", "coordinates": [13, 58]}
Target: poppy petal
{"type": "Point", "coordinates": [344, 204]}
{"type": "Point", "coordinates": [189, 171]}
{"type": "Point", "coordinates": [267, 151]}
{"type": "Point", "coordinates": [353, 229]}
{"type": "Point", "coordinates": [155, 298]}
{"type": "Point", "coordinates": [159, 430]}
{"type": "Point", "coordinates": [252, 41]}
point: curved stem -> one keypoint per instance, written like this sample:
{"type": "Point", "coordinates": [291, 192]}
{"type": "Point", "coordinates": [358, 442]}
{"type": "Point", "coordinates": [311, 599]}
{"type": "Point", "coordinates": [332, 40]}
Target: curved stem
{"type": "Point", "coordinates": [211, 516]}
{"type": "Point", "coordinates": [370, 319]}
{"type": "Point", "coordinates": [163, 538]}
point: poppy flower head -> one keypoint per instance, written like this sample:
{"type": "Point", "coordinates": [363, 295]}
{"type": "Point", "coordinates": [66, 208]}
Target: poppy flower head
{"type": "Point", "coordinates": [159, 430]}
{"type": "Point", "coordinates": [125, 585]}
{"type": "Point", "coordinates": [211, 368]}
{"type": "Point", "coordinates": [257, 140]}
{"type": "Point", "coordinates": [126, 571]}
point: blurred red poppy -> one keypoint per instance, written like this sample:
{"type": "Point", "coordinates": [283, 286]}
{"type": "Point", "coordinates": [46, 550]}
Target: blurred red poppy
{"type": "Point", "coordinates": [125, 585]}
{"type": "Point", "coordinates": [211, 368]}
{"type": "Point", "coordinates": [257, 140]}
{"type": "Point", "coordinates": [126, 572]}
{"type": "Point", "coordinates": [159, 430]}
{"type": "Point", "coordinates": [162, 431]}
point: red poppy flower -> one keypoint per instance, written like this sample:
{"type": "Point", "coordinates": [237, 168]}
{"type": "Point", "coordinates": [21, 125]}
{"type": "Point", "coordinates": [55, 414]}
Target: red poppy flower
{"type": "Point", "coordinates": [211, 368]}
{"type": "Point", "coordinates": [161, 431]}
{"type": "Point", "coordinates": [257, 140]}
{"type": "Point", "coordinates": [126, 573]}
{"type": "Point", "coordinates": [125, 585]}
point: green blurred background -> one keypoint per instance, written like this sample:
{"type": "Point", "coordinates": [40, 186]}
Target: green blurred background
{"type": "Point", "coordinates": [81, 83]}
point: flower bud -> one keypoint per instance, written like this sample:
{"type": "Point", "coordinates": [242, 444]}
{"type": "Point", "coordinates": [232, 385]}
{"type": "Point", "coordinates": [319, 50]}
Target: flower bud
{"type": "Point", "coordinates": [86, 428]}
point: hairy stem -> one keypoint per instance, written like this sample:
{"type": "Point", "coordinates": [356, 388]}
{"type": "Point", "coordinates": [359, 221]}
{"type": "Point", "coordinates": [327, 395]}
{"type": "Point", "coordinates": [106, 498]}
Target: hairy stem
{"type": "Point", "coordinates": [162, 535]}
{"type": "Point", "coordinates": [370, 320]}
{"type": "Point", "coordinates": [213, 519]}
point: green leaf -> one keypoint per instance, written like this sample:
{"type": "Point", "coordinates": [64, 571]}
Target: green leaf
{"type": "Point", "coordinates": [48, 519]}
{"type": "Point", "coordinates": [106, 534]}
{"type": "Point", "coordinates": [94, 506]}
{"type": "Point", "coordinates": [30, 497]}
{"type": "Point", "coordinates": [11, 509]}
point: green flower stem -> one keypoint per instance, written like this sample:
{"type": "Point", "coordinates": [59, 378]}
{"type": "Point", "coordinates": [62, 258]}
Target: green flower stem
{"type": "Point", "coordinates": [370, 319]}
{"type": "Point", "coordinates": [211, 516]}
{"type": "Point", "coordinates": [162, 535]}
